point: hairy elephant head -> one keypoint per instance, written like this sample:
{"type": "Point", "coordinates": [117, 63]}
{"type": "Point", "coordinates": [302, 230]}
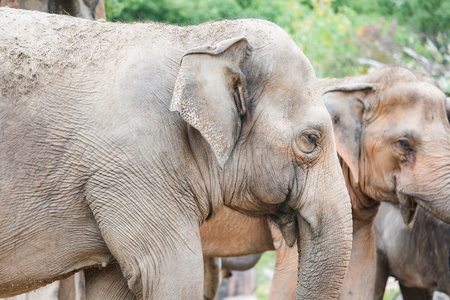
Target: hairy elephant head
{"type": "Point", "coordinates": [392, 131]}
{"type": "Point", "coordinates": [256, 104]}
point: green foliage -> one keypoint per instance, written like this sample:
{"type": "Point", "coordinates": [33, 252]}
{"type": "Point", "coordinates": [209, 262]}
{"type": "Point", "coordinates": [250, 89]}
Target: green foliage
{"type": "Point", "coordinates": [264, 274]}
{"type": "Point", "coordinates": [391, 294]}
{"type": "Point", "coordinates": [431, 17]}
{"type": "Point", "coordinates": [334, 34]}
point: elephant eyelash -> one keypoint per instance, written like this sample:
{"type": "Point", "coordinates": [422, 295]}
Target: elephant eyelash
{"type": "Point", "coordinates": [313, 139]}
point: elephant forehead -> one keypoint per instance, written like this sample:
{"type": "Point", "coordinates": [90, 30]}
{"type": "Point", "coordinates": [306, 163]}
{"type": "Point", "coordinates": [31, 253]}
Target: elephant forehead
{"type": "Point", "coordinates": [415, 93]}
{"type": "Point", "coordinates": [418, 102]}
{"type": "Point", "coordinates": [284, 125]}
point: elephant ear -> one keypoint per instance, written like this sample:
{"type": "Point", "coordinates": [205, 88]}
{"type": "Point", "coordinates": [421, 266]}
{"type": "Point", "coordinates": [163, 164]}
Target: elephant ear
{"type": "Point", "coordinates": [210, 93]}
{"type": "Point", "coordinates": [346, 107]}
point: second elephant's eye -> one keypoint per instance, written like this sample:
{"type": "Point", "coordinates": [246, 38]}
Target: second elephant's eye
{"type": "Point", "coordinates": [405, 149]}
{"type": "Point", "coordinates": [405, 145]}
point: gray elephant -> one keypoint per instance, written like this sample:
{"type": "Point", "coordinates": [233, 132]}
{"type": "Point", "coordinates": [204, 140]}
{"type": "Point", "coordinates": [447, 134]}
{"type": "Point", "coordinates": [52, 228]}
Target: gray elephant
{"type": "Point", "coordinates": [416, 255]}
{"type": "Point", "coordinates": [120, 140]}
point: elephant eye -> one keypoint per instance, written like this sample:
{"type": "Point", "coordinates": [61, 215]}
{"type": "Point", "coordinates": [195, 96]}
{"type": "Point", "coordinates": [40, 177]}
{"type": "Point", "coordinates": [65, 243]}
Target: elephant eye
{"type": "Point", "coordinates": [405, 145]}
{"type": "Point", "coordinates": [307, 142]}
{"type": "Point", "coordinates": [405, 150]}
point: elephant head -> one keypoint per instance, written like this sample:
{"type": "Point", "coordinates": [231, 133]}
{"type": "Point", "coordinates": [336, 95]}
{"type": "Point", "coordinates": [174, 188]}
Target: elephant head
{"type": "Point", "coordinates": [392, 131]}
{"type": "Point", "coordinates": [261, 114]}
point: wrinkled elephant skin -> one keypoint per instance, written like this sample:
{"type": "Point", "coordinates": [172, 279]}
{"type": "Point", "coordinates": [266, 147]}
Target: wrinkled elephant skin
{"type": "Point", "coordinates": [417, 256]}
{"type": "Point", "coordinates": [119, 140]}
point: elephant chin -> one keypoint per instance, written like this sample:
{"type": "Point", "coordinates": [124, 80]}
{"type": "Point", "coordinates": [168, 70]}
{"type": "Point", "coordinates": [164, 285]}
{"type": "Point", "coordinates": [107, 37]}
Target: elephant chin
{"type": "Point", "coordinates": [290, 232]}
{"type": "Point", "coordinates": [287, 224]}
{"type": "Point", "coordinates": [408, 207]}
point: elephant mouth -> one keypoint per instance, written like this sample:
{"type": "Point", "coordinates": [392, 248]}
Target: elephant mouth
{"type": "Point", "coordinates": [408, 207]}
{"type": "Point", "coordinates": [286, 219]}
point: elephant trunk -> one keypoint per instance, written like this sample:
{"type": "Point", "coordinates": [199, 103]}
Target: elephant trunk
{"type": "Point", "coordinates": [437, 207]}
{"type": "Point", "coordinates": [427, 183]}
{"type": "Point", "coordinates": [325, 236]}
{"type": "Point", "coordinates": [434, 196]}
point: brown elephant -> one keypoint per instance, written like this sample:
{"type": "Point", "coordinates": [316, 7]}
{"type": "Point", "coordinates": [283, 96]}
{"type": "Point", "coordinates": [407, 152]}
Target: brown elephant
{"type": "Point", "coordinates": [392, 137]}
{"type": "Point", "coordinates": [124, 155]}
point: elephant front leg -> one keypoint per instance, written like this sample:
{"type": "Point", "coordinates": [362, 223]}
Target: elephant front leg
{"type": "Point", "coordinates": [73, 287]}
{"type": "Point", "coordinates": [382, 275]}
{"type": "Point", "coordinates": [157, 246]}
{"type": "Point", "coordinates": [107, 284]}
{"type": "Point", "coordinates": [359, 282]}
{"type": "Point", "coordinates": [158, 268]}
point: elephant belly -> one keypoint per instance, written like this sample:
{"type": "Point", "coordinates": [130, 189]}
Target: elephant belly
{"type": "Point", "coordinates": [415, 276]}
{"type": "Point", "coordinates": [50, 249]}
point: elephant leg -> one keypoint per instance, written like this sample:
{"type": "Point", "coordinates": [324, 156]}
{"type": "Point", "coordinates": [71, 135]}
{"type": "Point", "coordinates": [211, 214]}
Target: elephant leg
{"type": "Point", "coordinates": [416, 293]}
{"type": "Point", "coordinates": [382, 275]}
{"type": "Point", "coordinates": [153, 273]}
{"type": "Point", "coordinates": [212, 268]}
{"type": "Point", "coordinates": [359, 282]}
{"type": "Point", "coordinates": [107, 284]}
{"type": "Point", "coordinates": [155, 241]}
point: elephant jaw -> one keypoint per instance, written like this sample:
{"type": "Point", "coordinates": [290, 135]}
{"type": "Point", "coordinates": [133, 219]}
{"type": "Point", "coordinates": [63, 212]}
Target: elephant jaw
{"type": "Point", "coordinates": [408, 206]}
{"type": "Point", "coordinates": [287, 224]}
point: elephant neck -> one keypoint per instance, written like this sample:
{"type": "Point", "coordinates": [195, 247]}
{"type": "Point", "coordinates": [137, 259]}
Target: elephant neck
{"type": "Point", "coordinates": [364, 208]}
{"type": "Point", "coordinates": [204, 176]}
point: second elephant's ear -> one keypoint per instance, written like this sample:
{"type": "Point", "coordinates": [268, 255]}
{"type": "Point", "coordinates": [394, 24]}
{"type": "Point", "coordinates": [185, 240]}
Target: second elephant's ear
{"type": "Point", "coordinates": [210, 93]}
{"type": "Point", "coordinates": [346, 107]}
